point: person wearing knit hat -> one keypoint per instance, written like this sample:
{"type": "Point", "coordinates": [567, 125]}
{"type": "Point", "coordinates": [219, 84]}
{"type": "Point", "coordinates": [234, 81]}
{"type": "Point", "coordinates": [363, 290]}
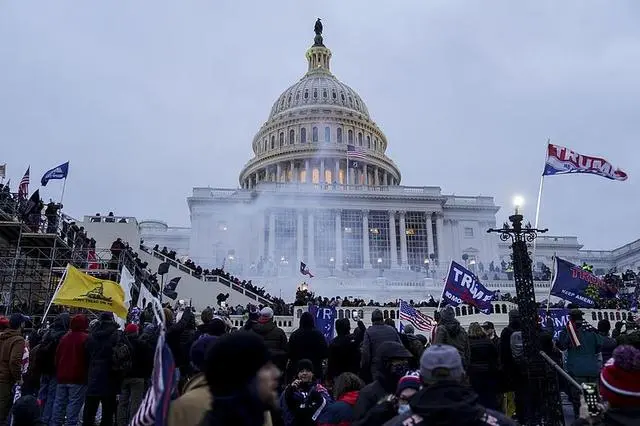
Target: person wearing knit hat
{"type": "Point", "coordinates": [196, 399]}
{"type": "Point", "coordinates": [444, 397]}
{"type": "Point", "coordinates": [241, 378]}
{"type": "Point", "coordinates": [408, 386]}
{"type": "Point", "coordinates": [620, 386]}
{"type": "Point", "coordinates": [4, 323]}
{"type": "Point", "coordinates": [131, 329]}
{"type": "Point", "coordinates": [304, 399]}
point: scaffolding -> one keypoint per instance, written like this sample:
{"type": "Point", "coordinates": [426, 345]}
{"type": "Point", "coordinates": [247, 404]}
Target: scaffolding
{"type": "Point", "coordinates": [34, 255]}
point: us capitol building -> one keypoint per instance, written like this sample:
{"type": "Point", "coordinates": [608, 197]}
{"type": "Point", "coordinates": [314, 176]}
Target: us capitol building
{"type": "Point", "coordinates": [321, 189]}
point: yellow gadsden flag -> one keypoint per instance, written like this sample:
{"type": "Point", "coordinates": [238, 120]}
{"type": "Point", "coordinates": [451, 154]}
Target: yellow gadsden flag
{"type": "Point", "coordinates": [84, 291]}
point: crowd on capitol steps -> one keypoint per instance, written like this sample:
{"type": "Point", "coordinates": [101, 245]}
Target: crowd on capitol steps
{"type": "Point", "coordinates": [76, 371]}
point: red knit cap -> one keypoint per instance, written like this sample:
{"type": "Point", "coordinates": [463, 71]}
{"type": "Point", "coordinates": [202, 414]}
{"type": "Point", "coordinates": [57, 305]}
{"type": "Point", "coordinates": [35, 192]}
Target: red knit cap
{"type": "Point", "coordinates": [620, 378]}
{"type": "Point", "coordinates": [4, 321]}
{"type": "Point", "coordinates": [131, 328]}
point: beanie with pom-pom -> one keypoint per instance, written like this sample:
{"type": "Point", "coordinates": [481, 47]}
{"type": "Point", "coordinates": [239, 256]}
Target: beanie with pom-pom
{"type": "Point", "coordinates": [620, 378]}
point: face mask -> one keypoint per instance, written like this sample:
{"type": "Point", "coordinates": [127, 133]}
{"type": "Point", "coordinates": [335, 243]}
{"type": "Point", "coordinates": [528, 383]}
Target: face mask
{"type": "Point", "coordinates": [399, 370]}
{"type": "Point", "coordinates": [403, 409]}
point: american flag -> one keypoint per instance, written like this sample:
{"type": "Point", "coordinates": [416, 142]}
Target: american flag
{"type": "Point", "coordinates": [419, 320]}
{"type": "Point", "coordinates": [355, 152]}
{"type": "Point", "coordinates": [23, 188]}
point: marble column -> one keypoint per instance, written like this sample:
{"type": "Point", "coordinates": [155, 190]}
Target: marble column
{"type": "Point", "coordinates": [366, 257]}
{"type": "Point", "coordinates": [293, 171]}
{"type": "Point", "coordinates": [300, 235]}
{"type": "Point", "coordinates": [311, 256]}
{"type": "Point", "coordinates": [321, 180]}
{"type": "Point", "coordinates": [429, 225]}
{"type": "Point", "coordinates": [307, 172]}
{"type": "Point", "coordinates": [403, 239]}
{"type": "Point", "coordinates": [272, 236]}
{"type": "Point", "coordinates": [278, 172]}
{"type": "Point", "coordinates": [366, 175]}
{"type": "Point", "coordinates": [339, 239]}
{"type": "Point", "coordinates": [336, 171]}
{"type": "Point", "coordinates": [393, 249]}
{"type": "Point", "coordinates": [440, 237]}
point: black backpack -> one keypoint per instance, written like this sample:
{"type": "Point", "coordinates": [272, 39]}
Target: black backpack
{"type": "Point", "coordinates": [122, 354]}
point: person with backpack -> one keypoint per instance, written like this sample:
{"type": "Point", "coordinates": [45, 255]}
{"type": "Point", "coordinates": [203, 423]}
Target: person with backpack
{"type": "Point", "coordinates": [103, 380]}
{"type": "Point", "coordinates": [45, 355]}
{"type": "Point", "coordinates": [11, 349]}
{"type": "Point", "coordinates": [511, 351]}
{"type": "Point", "coordinates": [135, 368]}
{"type": "Point", "coordinates": [451, 333]}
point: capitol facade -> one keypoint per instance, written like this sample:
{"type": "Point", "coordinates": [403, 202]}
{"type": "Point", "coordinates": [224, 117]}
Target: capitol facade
{"type": "Point", "coordinates": [320, 189]}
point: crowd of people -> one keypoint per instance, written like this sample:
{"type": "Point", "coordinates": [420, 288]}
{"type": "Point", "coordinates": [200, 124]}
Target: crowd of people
{"type": "Point", "coordinates": [81, 371]}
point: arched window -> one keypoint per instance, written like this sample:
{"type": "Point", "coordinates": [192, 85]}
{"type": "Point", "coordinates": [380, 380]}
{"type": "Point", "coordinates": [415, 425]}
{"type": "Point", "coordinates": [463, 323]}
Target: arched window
{"type": "Point", "coordinates": [359, 139]}
{"type": "Point", "coordinates": [342, 96]}
{"type": "Point", "coordinates": [273, 142]}
{"type": "Point", "coordinates": [303, 135]}
{"type": "Point", "coordinates": [264, 143]}
{"type": "Point", "coordinates": [327, 134]}
{"type": "Point", "coordinates": [297, 96]}
{"type": "Point", "coordinates": [314, 134]}
{"type": "Point", "coordinates": [281, 139]}
{"type": "Point", "coordinates": [350, 137]}
{"type": "Point", "coordinates": [306, 94]}
{"type": "Point", "coordinates": [368, 142]}
{"type": "Point", "coordinates": [315, 93]}
{"type": "Point", "coordinates": [325, 94]}
{"type": "Point", "coordinates": [375, 143]}
{"type": "Point", "coordinates": [339, 134]}
{"type": "Point", "coordinates": [292, 136]}
{"type": "Point", "coordinates": [289, 100]}
{"type": "Point", "coordinates": [333, 94]}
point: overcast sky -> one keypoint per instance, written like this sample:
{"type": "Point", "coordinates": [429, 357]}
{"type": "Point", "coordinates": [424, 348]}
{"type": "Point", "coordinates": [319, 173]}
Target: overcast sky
{"type": "Point", "coordinates": [148, 99]}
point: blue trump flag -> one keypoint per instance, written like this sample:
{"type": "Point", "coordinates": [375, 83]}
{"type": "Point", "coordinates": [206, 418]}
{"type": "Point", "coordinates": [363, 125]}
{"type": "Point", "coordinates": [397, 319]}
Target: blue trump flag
{"type": "Point", "coordinates": [574, 284]}
{"type": "Point", "coordinates": [59, 172]}
{"type": "Point", "coordinates": [556, 318]}
{"type": "Point", "coordinates": [325, 319]}
{"type": "Point", "coordinates": [462, 286]}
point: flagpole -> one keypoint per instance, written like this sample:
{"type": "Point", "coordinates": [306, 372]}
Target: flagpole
{"type": "Point", "coordinates": [537, 217]}
{"type": "Point", "coordinates": [444, 284]}
{"type": "Point", "coordinates": [553, 271]}
{"type": "Point", "coordinates": [64, 184]}
{"type": "Point", "coordinates": [55, 293]}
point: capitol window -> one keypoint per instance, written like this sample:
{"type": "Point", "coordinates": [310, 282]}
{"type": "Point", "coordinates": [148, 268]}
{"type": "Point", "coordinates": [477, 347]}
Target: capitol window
{"type": "Point", "coordinates": [339, 134]}
{"type": "Point", "coordinates": [314, 134]}
{"type": "Point", "coordinates": [273, 142]}
{"type": "Point", "coordinates": [468, 232]}
{"type": "Point", "coordinates": [368, 142]}
{"type": "Point", "coordinates": [315, 93]}
{"type": "Point", "coordinates": [327, 134]}
{"type": "Point", "coordinates": [352, 238]}
{"type": "Point", "coordinates": [289, 100]}
{"type": "Point", "coordinates": [350, 137]}
{"type": "Point", "coordinates": [292, 136]}
{"type": "Point", "coordinates": [325, 232]}
{"type": "Point", "coordinates": [306, 94]}
{"type": "Point", "coordinates": [324, 93]}
{"type": "Point", "coordinates": [281, 139]}
{"type": "Point", "coordinates": [359, 138]}
{"type": "Point", "coordinates": [342, 96]}
{"type": "Point", "coordinates": [379, 239]}
{"type": "Point", "coordinates": [303, 135]}
{"type": "Point", "coordinates": [297, 96]}
{"type": "Point", "coordinates": [333, 94]}
{"type": "Point", "coordinates": [416, 230]}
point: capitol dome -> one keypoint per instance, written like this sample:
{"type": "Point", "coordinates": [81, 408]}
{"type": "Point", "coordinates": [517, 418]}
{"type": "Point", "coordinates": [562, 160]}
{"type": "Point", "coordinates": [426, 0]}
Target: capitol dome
{"type": "Point", "coordinates": [319, 131]}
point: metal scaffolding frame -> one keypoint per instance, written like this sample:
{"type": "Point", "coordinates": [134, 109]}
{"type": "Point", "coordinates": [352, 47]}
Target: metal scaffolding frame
{"type": "Point", "coordinates": [33, 259]}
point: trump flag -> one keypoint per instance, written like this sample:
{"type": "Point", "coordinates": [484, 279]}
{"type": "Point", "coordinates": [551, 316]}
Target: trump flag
{"type": "Point", "coordinates": [462, 286]}
{"type": "Point", "coordinates": [58, 172]}
{"type": "Point", "coordinates": [561, 161]}
{"type": "Point", "coordinates": [325, 319]}
{"type": "Point", "coordinates": [574, 284]}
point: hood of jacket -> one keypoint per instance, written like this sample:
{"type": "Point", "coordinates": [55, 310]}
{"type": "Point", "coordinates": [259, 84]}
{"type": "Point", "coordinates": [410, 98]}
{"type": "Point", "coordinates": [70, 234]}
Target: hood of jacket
{"type": "Point", "coordinates": [61, 322]}
{"type": "Point", "coordinates": [447, 403]}
{"type": "Point", "coordinates": [9, 333]}
{"type": "Point", "coordinates": [196, 382]}
{"type": "Point", "coordinates": [104, 329]}
{"type": "Point", "coordinates": [79, 322]}
{"type": "Point", "coordinates": [349, 397]}
{"type": "Point", "coordinates": [306, 320]}
{"type": "Point", "coordinates": [388, 351]}
{"type": "Point", "coordinates": [264, 328]}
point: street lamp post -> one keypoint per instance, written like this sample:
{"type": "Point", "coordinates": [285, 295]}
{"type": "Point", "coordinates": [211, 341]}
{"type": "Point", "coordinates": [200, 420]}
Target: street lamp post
{"type": "Point", "coordinates": [332, 265]}
{"type": "Point", "coordinates": [380, 267]}
{"type": "Point", "coordinates": [426, 267]}
{"type": "Point", "coordinates": [543, 406]}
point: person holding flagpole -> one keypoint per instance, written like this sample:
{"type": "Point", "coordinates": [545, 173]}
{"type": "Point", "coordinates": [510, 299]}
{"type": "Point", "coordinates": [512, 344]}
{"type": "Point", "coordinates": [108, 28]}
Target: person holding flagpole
{"type": "Point", "coordinates": [58, 172]}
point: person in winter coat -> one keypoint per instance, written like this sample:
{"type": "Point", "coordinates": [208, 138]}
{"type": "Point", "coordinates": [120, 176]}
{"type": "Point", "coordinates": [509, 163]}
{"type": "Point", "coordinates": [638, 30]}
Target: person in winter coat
{"type": "Point", "coordinates": [377, 334]}
{"type": "Point", "coordinates": [411, 342]}
{"type": "Point", "coordinates": [133, 383]}
{"type": "Point", "coordinates": [451, 333]}
{"type": "Point", "coordinates": [242, 381]}
{"type": "Point", "coordinates": [307, 342]}
{"type": "Point", "coordinates": [344, 351]}
{"type": "Point", "coordinates": [583, 361]}
{"type": "Point", "coordinates": [483, 367]}
{"type": "Point", "coordinates": [346, 388]}
{"type": "Point", "coordinates": [513, 381]}
{"type": "Point", "coordinates": [180, 337]}
{"type": "Point", "coordinates": [304, 399]}
{"type": "Point", "coordinates": [45, 356]}
{"type": "Point", "coordinates": [394, 363]}
{"type": "Point", "coordinates": [11, 350]}
{"type": "Point", "coordinates": [71, 373]}
{"type": "Point", "coordinates": [620, 388]}
{"type": "Point", "coordinates": [608, 343]}
{"type": "Point", "coordinates": [189, 409]}
{"type": "Point", "coordinates": [102, 383]}
{"type": "Point", "coordinates": [274, 337]}
{"type": "Point", "coordinates": [444, 398]}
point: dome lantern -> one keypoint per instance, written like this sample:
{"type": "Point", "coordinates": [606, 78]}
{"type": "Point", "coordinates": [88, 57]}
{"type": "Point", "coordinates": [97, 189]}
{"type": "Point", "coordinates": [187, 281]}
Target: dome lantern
{"type": "Point", "coordinates": [318, 55]}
